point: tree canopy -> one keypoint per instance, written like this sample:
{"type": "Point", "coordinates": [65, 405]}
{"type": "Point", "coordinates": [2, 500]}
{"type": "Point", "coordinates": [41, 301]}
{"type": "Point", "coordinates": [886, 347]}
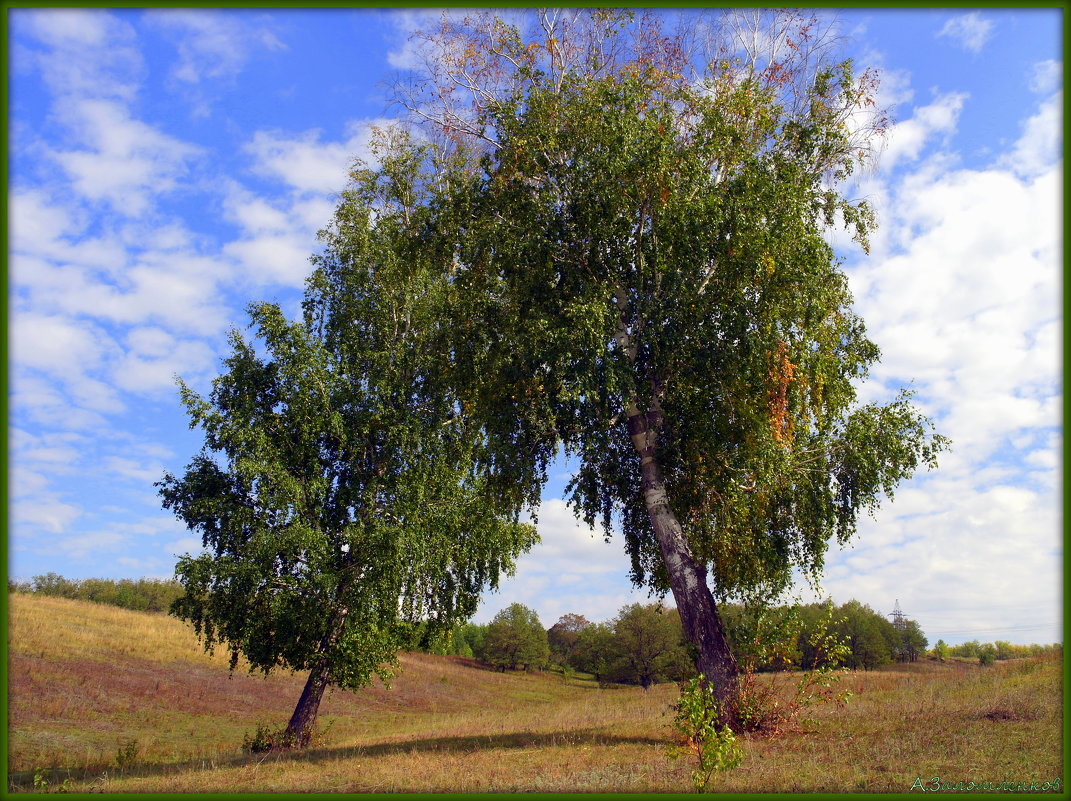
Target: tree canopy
{"type": "Point", "coordinates": [649, 645]}
{"type": "Point", "coordinates": [641, 273]}
{"type": "Point", "coordinates": [515, 638]}
{"type": "Point", "coordinates": [562, 636]}
{"type": "Point", "coordinates": [336, 493]}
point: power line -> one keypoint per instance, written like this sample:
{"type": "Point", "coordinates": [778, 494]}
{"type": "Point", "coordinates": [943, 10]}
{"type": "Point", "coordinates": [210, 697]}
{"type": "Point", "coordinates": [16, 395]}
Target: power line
{"type": "Point", "coordinates": [990, 631]}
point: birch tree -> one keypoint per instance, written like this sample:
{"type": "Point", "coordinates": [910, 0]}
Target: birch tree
{"type": "Point", "coordinates": [337, 495]}
{"type": "Point", "coordinates": [640, 273]}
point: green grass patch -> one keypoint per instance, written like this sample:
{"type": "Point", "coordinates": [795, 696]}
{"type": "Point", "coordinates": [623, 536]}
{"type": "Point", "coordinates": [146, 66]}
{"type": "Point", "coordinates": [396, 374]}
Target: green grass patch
{"type": "Point", "coordinates": [80, 694]}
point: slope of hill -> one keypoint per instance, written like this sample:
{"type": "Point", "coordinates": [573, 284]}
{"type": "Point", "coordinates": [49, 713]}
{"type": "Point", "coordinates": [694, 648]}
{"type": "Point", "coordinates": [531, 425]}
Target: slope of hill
{"type": "Point", "coordinates": [113, 700]}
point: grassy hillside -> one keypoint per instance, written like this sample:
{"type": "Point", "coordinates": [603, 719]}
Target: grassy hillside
{"type": "Point", "coordinates": [125, 701]}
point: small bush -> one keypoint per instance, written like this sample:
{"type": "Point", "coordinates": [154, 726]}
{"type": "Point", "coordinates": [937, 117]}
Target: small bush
{"type": "Point", "coordinates": [263, 741]}
{"type": "Point", "coordinates": [268, 739]}
{"type": "Point", "coordinates": [756, 707]}
{"type": "Point", "coordinates": [42, 783]}
{"type": "Point", "coordinates": [711, 743]}
{"type": "Point", "coordinates": [127, 754]}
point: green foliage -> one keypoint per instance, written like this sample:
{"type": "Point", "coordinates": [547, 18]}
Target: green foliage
{"type": "Point", "coordinates": [268, 738]}
{"type": "Point", "coordinates": [709, 742]}
{"type": "Point", "coordinates": [596, 651]}
{"type": "Point", "coordinates": [516, 638]}
{"type": "Point", "coordinates": [987, 655]}
{"type": "Point", "coordinates": [912, 642]}
{"type": "Point", "coordinates": [562, 636]}
{"type": "Point", "coordinates": [872, 640]}
{"type": "Point", "coordinates": [764, 636]}
{"type": "Point", "coordinates": [940, 650]}
{"type": "Point", "coordinates": [967, 649]}
{"type": "Point", "coordinates": [337, 494]}
{"type": "Point", "coordinates": [143, 595]}
{"type": "Point", "coordinates": [778, 630]}
{"type": "Point", "coordinates": [42, 782]}
{"type": "Point", "coordinates": [972, 649]}
{"type": "Point", "coordinates": [642, 645]}
{"type": "Point", "coordinates": [262, 741]}
{"type": "Point", "coordinates": [476, 638]}
{"type": "Point", "coordinates": [648, 646]}
{"type": "Point", "coordinates": [458, 645]}
{"type": "Point", "coordinates": [635, 239]}
{"type": "Point", "coordinates": [127, 754]}
{"type": "Point", "coordinates": [831, 650]}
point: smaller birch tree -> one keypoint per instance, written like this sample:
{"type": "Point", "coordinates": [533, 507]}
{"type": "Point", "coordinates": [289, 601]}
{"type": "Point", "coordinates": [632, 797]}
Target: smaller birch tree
{"type": "Point", "coordinates": [336, 500]}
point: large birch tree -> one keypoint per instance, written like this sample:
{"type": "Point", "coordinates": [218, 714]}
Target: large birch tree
{"type": "Point", "coordinates": [639, 261]}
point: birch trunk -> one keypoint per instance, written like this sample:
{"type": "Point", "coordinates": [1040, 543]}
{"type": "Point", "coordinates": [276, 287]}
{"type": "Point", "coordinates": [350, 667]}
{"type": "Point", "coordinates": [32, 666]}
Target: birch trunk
{"type": "Point", "coordinates": [688, 579]}
{"type": "Point", "coordinates": [299, 730]}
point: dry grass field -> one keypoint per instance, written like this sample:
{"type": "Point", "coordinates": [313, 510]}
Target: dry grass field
{"type": "Point", "coordinates": [116, 701]}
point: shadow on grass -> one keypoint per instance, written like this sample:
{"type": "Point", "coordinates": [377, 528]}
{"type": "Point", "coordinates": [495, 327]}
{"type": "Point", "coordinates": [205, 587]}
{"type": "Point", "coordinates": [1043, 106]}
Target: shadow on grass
{"type": "Point", "coordinates": [23, 781]}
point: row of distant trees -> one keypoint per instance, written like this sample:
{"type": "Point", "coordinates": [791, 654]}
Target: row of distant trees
{"type": "Point", "coordinates": [143, 595]}
{"type": "Point", "coordinates": [643, 644]}
{"type": "Point", "coordinates": [989, 652]}
{"type": "Point", "coordinates": [785, 637]}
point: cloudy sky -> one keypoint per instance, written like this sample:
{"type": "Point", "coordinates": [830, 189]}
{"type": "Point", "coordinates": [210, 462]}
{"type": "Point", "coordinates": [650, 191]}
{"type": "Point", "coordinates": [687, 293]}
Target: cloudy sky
{"type": "Point", "coordinates": [167, 167]}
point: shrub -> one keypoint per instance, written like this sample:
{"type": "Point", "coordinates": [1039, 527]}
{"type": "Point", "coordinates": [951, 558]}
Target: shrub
{"type": "Point", "coordinates": [262, 741]}
{"type": "Point", "coordinates": [756, 706]}
{"type": "Point", "coordinates": [127, 754]}
{"type": "Point", "coordinates": [712, 744]}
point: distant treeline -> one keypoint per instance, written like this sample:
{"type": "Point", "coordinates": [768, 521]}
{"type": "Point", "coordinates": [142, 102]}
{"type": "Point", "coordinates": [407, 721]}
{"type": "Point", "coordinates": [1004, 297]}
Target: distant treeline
{"type": "Point", "coordinates": [142, 595]}
{"type": "Point", "coordinates": [781, 638]}
{"type": "Point", "coordinates": [987, 652]}
{"type": "Point", "coordinates": [643, 645]}
{"type": "Point", "coordinates": [787, 637]}
{"type": "Point", "coordinates": [778, 638]}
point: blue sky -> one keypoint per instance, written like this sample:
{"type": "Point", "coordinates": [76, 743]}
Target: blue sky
{"type": "Point", "coordinates": [167, 167]}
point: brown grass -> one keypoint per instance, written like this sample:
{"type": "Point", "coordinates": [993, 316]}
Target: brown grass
{"type": "Point", "coordinates": [87, 679]}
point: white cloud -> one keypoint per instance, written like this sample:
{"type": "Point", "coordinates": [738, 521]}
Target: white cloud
{"type": "Point", "coordinates": [42, 402]}
{"type": "Point", "coordinates": [89, 53]}
{"type": "Point", "coordinates": [1041, 143]}
{"type": "Point", "coordinates": [568, 545]}
{"type": "Point", "coordinates": [46, 511]}
{"type": "Point", "coordinates": [957, 548]}
{"type": "Point", "coordinates": [56, 345]}
{"type": "Point", "coordinates": [134, 469]}
{"type": "Point", "coordinates": [967, 310]}
{"type": "Point", "coordinates": [1047, 76]}
{"type": "Point", "coordinates": [36, 218]}
{"type": "Point", "coordinates": [409, 55]}
{"type": "Point", "coordinates": [179, 290]}
{"type": "Point", "coordinates": [66, 351]}
{"type": "Point", "coordinates": [211, 44]}
{"type": "Point", "coordinates": [126, 163]}
{"type": "Point", "coordinates": [599, 585]}
{"type": "Point", "coordinates": [965, 301]}
{"type": "Point", "coordinates": [905, 140]}
{"type": "Point", "coordinates": [24, 483]}
{"type": "Point", "coordinates": [270, 260]}
{"type": "Point", "coordinates": [304, 163]}
{"type": "Point", "coordinates": [82, 545]}
{"type": "Point", "coordinates": [278, 235]}
{"type": "Point", "coordinates": [969, 31]}
{"type": "Point", "coordinates": [183, 546]}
